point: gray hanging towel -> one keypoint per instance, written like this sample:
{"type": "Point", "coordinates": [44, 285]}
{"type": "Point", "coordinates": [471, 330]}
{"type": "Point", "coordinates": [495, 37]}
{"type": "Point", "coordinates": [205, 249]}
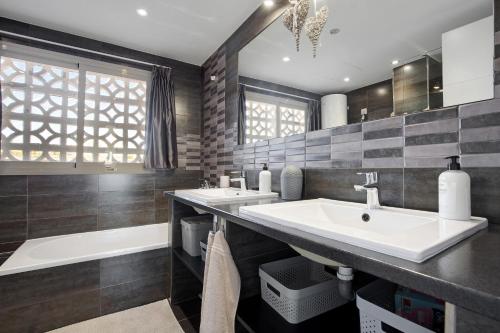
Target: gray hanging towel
{"type": "Point", "coordinates": [221, 287]}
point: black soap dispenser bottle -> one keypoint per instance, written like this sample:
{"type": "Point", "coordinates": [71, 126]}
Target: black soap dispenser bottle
{"type": "Point", "coordinates": [454, 192]}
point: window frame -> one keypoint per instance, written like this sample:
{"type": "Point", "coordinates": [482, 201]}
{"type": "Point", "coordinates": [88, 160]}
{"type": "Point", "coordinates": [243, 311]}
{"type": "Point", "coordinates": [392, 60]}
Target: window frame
{"type": "Point", "coordinates": [279, 102]}
{"type": "Point", "coordinates": [28, 53]}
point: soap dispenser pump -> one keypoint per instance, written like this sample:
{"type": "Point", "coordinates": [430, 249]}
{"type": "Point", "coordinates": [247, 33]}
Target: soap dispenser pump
{"type": "Point", "coordinates": [454, 192]}
{"type": "Point", "coordinates": [265, 180]}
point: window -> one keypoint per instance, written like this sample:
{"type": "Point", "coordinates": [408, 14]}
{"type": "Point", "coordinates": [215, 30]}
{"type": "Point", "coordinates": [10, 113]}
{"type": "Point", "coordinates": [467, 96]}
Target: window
{"type": "Point", "coordinates": [58, 108]}
{"type": "Point", "coordinates": [270, 117]}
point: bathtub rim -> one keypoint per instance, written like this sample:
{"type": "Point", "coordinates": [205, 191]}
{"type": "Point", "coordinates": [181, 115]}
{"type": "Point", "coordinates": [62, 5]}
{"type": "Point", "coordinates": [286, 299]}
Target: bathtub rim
{"type": "Point", "coordinates": [6, 270]}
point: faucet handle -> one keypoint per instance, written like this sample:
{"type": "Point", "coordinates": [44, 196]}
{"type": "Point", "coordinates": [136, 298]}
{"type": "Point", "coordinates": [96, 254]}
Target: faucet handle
{"type": "Point", "coordinates": [371, 177]}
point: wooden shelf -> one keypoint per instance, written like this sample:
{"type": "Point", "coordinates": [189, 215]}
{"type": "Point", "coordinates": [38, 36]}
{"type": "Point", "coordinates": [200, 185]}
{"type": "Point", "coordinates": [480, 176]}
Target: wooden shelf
{"type": "Point", "coordinates": [194, 264]}
{"type": "Point", "coordinates": [257, 316]}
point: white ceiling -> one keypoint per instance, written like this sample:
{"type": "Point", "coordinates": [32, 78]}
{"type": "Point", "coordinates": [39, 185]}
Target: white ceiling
{"type": "Point", "coordinates": [373, 33]}
{"type": "Point", "coordinates": [186, 30]}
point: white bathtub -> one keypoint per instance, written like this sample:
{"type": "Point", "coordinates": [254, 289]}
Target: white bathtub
{"type": "Point", "coordinates": [69, 249]}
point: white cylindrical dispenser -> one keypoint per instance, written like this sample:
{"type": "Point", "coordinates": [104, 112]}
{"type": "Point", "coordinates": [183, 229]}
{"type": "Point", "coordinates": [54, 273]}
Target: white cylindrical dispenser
{"type": "Point", "coordinates": [454, 193]}
{"type": "Point", "coordinates": [333, 110]}
{"type": "Point", "coordinates": [265, 180]}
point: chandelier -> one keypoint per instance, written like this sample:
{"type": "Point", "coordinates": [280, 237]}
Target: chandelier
{"type": "Point", "coordinates": [295, 19]}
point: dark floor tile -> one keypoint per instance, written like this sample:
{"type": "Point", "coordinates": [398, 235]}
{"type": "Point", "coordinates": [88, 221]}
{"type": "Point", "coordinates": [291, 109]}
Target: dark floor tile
{"type": "Point", "coordinates": [131, 267]}
{"type": "Point", "coordinates": [12, 185]}
{"type": "Point", "coordinates": [13, 208]}
{"type": "Point", "coordinates": [55, 313]}
{"type": "Point", "coordinates": [61, 184]}
{"type": "Point", "coordinates": [128, 295]}
{"type": "Point", "coordinates": [126, 182]}
{"type": "Point", "coordinates": [38, 228]}
{"type": "Point", "coordinates": [41, 285]}
{"type": "Point", "coordinates": [62, 205]}
{"type": "Point", "coordinates": [126, 219]}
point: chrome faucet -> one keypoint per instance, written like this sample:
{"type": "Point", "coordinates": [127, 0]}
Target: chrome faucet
{"type": "Point", "coordinates": [242, 179]}
{"type": "Point", "coordinates": [370, 186]}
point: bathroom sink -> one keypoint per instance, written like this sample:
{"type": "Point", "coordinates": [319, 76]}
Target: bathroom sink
{"type": "Point", "coordinates": [408, 234]}
{"type": "Point", "coordinates": [222, 195]}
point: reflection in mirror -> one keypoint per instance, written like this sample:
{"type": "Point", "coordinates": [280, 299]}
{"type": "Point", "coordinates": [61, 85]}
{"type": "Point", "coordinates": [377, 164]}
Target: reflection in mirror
{"type": "Point", "coordinates": [375, 59]}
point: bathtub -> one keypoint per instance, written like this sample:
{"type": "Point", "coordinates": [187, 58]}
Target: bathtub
{"type": "Point", "coordinates": [54, 251]}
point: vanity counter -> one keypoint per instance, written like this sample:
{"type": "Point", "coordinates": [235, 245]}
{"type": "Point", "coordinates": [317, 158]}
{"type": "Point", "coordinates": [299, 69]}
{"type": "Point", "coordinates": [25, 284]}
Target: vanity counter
{"type": "Point", "coordinates": [466, 275]}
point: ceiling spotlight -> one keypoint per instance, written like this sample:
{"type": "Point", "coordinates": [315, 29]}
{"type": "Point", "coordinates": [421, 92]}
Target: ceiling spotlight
{"type": "Point", "coordinates": [334, 31]}
{"type": "Point", "coordinates": [407, 68]}
{"type": "Point", "coordinates": [268, 3]}
{"type": "Point", "coordinates": [213, 77]}
{"type": "Point", "coordinates": [395, 62]}
{"type": "Point", "coordinates": [347, 79]}
{"type": "Point", "coordinates": [286, 59]}
{"type": "Point", "coordinates": [142, 12]}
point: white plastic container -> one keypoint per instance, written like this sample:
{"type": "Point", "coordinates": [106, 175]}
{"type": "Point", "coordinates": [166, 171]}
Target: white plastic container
{"type": "Point", "coordinates": [265, 180]}
{"type": "Point", "coordinates": [299, 289]}
{"type": "Point", "coordinates": [374, 318]}
{"type": "Point", "coordinates": [454, 193]}
{"type": "Point", "coordinates": [195, 229]}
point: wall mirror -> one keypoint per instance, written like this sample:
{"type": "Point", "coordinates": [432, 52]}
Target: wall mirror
{"type": "Point", "coordinates": [375, 59]}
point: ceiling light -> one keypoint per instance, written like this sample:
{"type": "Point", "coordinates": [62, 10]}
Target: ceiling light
{"type": "Point", "coordinates": [286, 59]}
{"type": "Point", "coordinates": [142, 12]}
{"type": "Point", "coordinates": [395, 62]}
{"type": "Point", "coordinates": [407, 68]}
{"type": "Point", "coordinates": [347, 79]}
{"type": "Point", "coordinates": [334, 31]}
{"type": "Point", "coordinates": [268, 3]}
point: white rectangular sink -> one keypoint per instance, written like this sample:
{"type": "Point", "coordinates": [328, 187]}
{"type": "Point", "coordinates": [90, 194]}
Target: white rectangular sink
{"type": "Point", "coordinates": [222, 195]}
{"type": "Point", "coordinates": [408, 234]}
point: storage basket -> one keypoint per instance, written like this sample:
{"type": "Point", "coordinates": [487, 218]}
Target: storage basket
{"type": "Point", "coordinates": [195, 229]}
{"type": "Point", "coordinates": [376, 310]}
{"type": "Point", "coordinates": [299, 289]}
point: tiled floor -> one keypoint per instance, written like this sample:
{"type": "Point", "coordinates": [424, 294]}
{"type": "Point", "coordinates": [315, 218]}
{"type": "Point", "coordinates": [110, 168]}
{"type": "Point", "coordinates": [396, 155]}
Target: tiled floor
{"type": "Point", "coordinates": [151, 318]}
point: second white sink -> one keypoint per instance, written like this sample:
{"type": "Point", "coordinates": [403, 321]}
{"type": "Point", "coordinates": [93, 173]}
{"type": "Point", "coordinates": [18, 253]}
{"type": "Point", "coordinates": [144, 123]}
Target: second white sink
{"type": "Point", "coordinates": [222, 195]}
{"type": "Point", "coordinates": [404, 233]}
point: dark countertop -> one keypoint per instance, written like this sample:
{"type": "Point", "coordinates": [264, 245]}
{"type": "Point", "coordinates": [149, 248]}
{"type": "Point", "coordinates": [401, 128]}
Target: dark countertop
{"type": "Point", "coordinates": [467, 274]}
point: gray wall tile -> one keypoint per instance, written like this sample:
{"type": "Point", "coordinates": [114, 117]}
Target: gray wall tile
{"type": "Point", "coordinates": [437, 150]}
{"type": "Point", "coordinates": [38, 228]}
{"type": "Point", "coordinates": [440, 126]}
{"type": "Point", "coordinates": [60, 184]}
{"type": "Point", "coordinates": [62, 205]}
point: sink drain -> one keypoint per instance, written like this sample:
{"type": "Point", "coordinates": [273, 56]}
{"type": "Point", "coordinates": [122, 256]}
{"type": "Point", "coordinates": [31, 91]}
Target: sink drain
{"type": "Point", "coordinates": [365, 217]}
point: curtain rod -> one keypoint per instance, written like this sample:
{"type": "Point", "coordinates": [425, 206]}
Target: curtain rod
{"type": "Point", "coordinates": [81, 49]}
{"type": "Point", "coordinates": [278, 92]}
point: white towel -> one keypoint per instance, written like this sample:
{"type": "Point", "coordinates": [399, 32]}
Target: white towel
{"type": "Point", "coordinates": [221, 287]}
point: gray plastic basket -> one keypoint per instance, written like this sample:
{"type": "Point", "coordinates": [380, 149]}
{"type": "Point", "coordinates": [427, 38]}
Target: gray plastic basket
{"type": "Point", "coordinates": [299, 289]}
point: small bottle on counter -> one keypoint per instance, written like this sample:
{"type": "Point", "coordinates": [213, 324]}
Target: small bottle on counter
{"type": "Point", "coordinates": [454, 192]}
{"type": "Point", "coordinates": [265, 180]}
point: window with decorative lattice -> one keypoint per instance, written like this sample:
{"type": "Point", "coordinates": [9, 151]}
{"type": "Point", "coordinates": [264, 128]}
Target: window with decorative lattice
{"type": "Point", "coordinates": [270, 117]}
{"type": "Point", "coordinates": [58, 108]}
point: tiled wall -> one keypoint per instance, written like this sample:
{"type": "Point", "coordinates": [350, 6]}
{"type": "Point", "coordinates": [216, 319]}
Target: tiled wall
{"type": "Point", "coordinates": [408, 152]}
{"type": "Point", "coordinates": [213, 126]}
{"type": "Point", "coordinates": [42, 206]}
{"type": "Point", "coordinates": [42, 300]}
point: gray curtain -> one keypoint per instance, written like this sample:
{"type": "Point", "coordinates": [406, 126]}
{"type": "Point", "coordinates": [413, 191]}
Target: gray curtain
{"type": "Point", "coordinates": [242, 106]}
{"type": "Point", "coordinates": [314, 115]}
{"type": "Point", "coordinates": [161, 138]}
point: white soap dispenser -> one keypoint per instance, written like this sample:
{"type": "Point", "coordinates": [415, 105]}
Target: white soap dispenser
{"type": "Point", "coordinates": [265, 180]}
{"type": "Point", "coordinates": [454, 192]}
